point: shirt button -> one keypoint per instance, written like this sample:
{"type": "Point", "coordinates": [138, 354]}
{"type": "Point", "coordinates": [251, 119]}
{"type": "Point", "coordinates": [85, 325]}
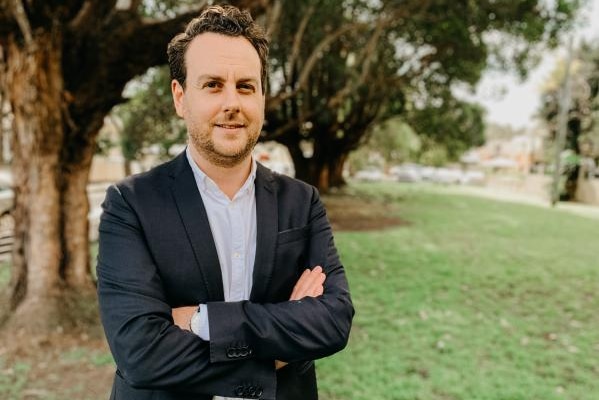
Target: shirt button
{"type": "Point", "coordinates": [236, 255]}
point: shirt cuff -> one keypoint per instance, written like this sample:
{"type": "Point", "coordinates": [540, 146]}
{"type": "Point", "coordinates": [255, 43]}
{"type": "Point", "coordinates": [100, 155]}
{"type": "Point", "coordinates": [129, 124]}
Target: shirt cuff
{"type": "Point", "coordinates": [203, 330]}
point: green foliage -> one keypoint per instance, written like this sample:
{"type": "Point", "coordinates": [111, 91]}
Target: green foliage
{"type": "Point", "coordinates": [163, 8]}
{"type": "Point", "coordinates": [471, 299]}
{"type": "Point", "coordinates": [449, 124]}
{"type": "Point", "coordinates": [434, 155]}
{"type": "Point", "coordinates": [148, 117]}
{"type": "Point", "coordinates": [13, 379]}
{"type": "Point", "coordinates": [393, 141]}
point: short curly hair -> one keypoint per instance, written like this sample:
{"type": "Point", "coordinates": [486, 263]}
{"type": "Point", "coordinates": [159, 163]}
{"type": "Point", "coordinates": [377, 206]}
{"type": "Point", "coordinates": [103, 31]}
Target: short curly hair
{"type": "Point", "coordinates": [226, 20]}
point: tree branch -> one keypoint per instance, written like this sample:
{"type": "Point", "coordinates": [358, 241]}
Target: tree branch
{"type": "Point", "coordinates": [297, 39]}
{"type": "Point", "coordinates": [21, 17]}
{"type": "Point", "coordinates": [367, 56]}
{"type": "Point", "coordinates": [91, 14]}
{"type": "Point", "coordinates": [309, 65]}
{"type": "Point", "coordinates": [272, 20]}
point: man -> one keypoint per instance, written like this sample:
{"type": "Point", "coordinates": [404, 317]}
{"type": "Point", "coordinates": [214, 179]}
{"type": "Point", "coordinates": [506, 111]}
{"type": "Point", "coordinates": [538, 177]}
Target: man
{"type": "Point", "coordinates": [216, 277]}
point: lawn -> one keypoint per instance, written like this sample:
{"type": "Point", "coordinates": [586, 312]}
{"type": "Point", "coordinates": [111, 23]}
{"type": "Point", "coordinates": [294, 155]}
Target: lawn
{"type": "Point", "coordinates": [472, 299]}
{"type": "Point", "coordinates": [465, 298]}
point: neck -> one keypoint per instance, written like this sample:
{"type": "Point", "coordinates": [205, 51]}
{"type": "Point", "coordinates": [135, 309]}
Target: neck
{"type": "Point", "coordinates": [228, 179]}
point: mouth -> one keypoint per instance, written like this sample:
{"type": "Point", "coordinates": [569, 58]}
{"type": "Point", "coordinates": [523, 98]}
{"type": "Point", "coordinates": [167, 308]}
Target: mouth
{"type": "Point", "coordinates": [230, 125]}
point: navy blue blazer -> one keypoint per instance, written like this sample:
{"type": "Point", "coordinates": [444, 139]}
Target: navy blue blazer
{"type": "Point", "coordinates": [157, 252]}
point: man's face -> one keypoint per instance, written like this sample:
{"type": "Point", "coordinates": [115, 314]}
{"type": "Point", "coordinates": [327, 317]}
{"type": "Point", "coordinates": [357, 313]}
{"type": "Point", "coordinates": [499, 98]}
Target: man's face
{"type": "Point", "coordinates": [223, 103]}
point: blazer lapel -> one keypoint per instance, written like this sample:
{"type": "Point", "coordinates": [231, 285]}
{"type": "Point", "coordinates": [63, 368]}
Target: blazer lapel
{"type": "Point", "coordinates": [193, 215]}
{"type": "Point", "coordinates": [267, 224]}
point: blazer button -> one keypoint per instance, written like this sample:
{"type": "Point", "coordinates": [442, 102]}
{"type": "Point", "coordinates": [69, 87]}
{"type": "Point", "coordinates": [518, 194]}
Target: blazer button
{"type": "Point", "coordinates": [230, 353]}
{"type": "Point", "coordinates": [239, 391]}
{"type": "Point", "coordinates": [250, 352]}
{"type": "Point", "coordinates": [259, 391]}
{"type": "Point", "coordinates": [252, 391]}
{"type": "Point", "coordinates": [243, 353]}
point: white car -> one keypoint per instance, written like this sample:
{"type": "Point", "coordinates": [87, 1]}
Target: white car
{"type": "Point", "coordinates": [370, 175]}
{"type": "Point", "coordinates": [473, 178]}
{"type": "Point", "coordinates": [406, 172]}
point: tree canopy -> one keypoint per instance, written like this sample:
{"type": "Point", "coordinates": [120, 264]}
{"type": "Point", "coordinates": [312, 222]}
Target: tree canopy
{"type": "Point", "coordinates": [338, 68]}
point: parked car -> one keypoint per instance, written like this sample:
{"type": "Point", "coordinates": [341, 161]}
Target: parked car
{"type": "Point", "coordinates": [406, 172]}
{"type": "Point", "coordinates": [472, 178]}
{"type": "Point", "coordinates": [370, 174]}
{"type": "Point", "coordinates": [447, 176]}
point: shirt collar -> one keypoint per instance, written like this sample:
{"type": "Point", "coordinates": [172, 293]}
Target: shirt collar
{"type": "Point", "coordinates": [204, 182]}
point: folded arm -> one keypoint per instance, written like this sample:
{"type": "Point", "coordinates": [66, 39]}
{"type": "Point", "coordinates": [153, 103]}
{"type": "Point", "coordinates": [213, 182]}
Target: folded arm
{"type": "Point", "coordinates": [298, 329]}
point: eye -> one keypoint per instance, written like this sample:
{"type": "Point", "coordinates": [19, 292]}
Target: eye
{"type": "Point", "coordinates": [212, 85]}
{"type": "Point", "coordinates": [246, 88]}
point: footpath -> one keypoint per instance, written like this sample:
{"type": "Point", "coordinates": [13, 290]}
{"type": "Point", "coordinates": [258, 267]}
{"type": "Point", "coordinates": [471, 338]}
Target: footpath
{"type": "Point", "coordinates": [504, 194]}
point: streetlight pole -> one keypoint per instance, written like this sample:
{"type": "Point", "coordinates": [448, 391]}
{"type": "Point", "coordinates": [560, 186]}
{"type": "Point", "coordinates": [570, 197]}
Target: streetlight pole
{"type": "Point", "coordinates": [562, 121]}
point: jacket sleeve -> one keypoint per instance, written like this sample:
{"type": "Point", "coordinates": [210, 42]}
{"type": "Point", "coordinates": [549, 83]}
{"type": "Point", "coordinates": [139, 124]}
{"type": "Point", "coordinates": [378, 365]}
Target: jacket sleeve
{"type": "Point", "coordinates": [150, 351]}
{"type": "Point", "coordinates": [290, 331]}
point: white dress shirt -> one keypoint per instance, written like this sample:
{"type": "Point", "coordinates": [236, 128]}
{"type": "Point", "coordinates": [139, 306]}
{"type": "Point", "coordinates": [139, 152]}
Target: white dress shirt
{"type": "Point", "coordinates": [233, 226]}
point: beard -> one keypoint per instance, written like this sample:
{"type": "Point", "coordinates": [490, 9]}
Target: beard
{"type": "Point", "coordinates": [222, 155]}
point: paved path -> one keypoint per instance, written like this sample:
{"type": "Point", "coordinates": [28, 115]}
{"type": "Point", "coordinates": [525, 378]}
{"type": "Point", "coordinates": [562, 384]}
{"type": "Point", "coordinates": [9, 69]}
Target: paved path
{"type": "Point", "coordinates": [503, 194]}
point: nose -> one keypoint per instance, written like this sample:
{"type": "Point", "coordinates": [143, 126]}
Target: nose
{"type": "Point", "coordinates": [231, 101]}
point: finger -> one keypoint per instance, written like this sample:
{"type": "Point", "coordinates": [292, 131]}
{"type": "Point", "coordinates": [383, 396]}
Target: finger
{"type": "Point", "coordinates": [318, 291]}
{"type": "Point", "coordinates": [299, 285]}
{"type": "Point", "coordinates": [318, 287]}
{"type": "Point", "coordinates": [307, 283]}
{"type": "Point", "coordinates": [303, 285]}
{"type": "Point", "coordinates": [310, 283]}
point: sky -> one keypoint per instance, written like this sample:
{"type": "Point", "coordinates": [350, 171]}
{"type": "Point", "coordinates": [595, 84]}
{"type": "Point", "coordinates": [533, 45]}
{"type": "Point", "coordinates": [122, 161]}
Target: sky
{"type": "Point", "coordinates": [508, 100]}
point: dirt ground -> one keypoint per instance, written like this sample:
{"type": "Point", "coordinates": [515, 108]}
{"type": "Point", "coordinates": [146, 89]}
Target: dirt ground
{"type": "Point", "coordinates": [351, 213]}
{"type": "Point", "coordinates": [68, 365]}
{"type": "Point", "coordinates": [56, 367]}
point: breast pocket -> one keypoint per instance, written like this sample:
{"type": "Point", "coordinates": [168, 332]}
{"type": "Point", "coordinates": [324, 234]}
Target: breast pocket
{"type": "Point", "coordinates": [293, 235]}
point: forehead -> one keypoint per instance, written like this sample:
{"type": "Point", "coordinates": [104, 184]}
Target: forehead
{"type": "Point", "coordinates": [211, 52]}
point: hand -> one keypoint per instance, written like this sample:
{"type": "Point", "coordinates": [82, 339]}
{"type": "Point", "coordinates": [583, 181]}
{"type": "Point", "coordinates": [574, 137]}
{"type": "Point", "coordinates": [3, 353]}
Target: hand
{"type": "Point", "coordinates": [310, 284]}
{"type": "Point", "coordinates": [182, 316]}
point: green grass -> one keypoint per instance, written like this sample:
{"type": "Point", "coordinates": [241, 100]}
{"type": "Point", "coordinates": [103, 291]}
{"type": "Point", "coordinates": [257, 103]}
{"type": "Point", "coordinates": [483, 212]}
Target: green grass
{"type": "Point", "coordinates": [13, 379]}
{"type": "Point", "coordinates": [473, 299]}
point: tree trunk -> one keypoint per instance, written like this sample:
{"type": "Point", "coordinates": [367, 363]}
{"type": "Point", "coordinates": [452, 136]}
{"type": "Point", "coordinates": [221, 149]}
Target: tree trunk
{"type": "Point", "coordinates": [127, 167]}
{"type": "Point", "coordinates": [50, 268]}
{"type": "Point", "coordinates": [324, 169]}
{"type": "Point", "coordinates": [336, 165]}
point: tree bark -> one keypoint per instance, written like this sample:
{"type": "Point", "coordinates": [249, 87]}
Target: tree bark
{"type": "Point", "coordinates": [37, 142]}
{"type": "Point", "coordinates": [324, 169]}
{"type": "Point", "coordinates": [336, 165]}
{"type": "Point", "coordinates": [51, 283]}
{"type": "Point", "coordinates": [75, 209]}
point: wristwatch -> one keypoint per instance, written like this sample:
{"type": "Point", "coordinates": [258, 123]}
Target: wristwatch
{"type": "Point", "coordinates": [194, 322]}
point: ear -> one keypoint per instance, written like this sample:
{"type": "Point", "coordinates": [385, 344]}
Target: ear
{"type": "Point", "coordinates": [178, 97]}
